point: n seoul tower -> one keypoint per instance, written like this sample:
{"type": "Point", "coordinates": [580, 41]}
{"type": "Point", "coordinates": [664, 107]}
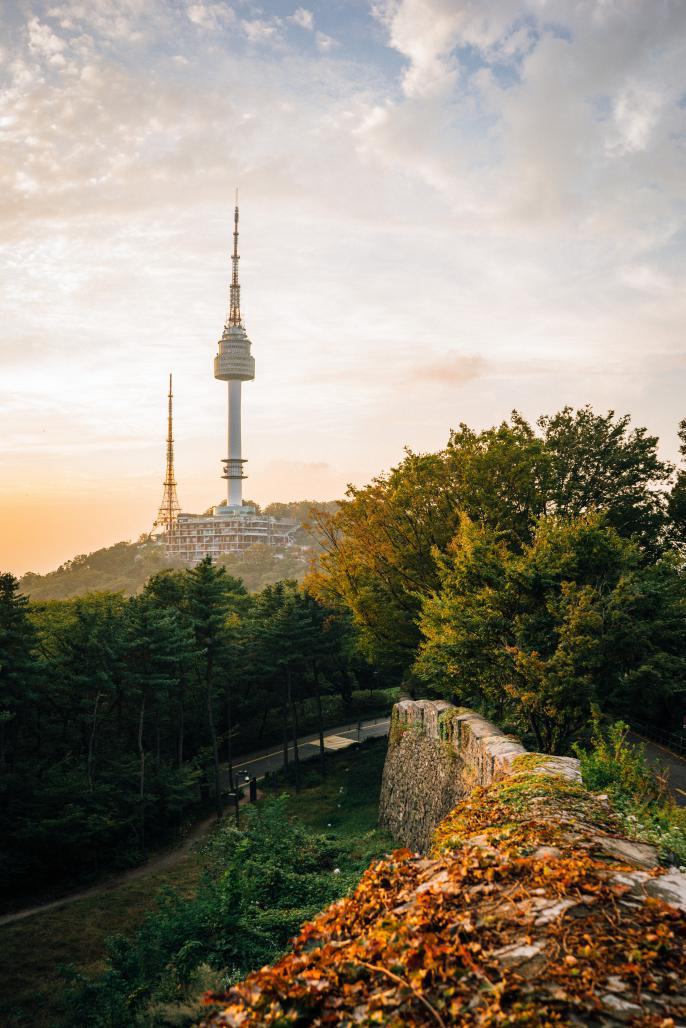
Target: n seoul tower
{"type": "Point", "coordinates": [234, 364]}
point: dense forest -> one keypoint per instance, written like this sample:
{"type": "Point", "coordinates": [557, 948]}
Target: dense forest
{"type": "Point", "coordinates": [126, 566]}
{"type": "Point", "coordinates": [535, 572]}
{"type": "Point", "coordinates": [116, 712]}
{"type": "Point", "coordinates": [532, 571]}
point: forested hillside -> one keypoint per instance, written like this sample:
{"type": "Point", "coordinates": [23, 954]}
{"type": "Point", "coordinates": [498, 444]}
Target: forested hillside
{"type": "Point", "coordinates": [115, 712]}
{"type": "Point", "coordinates": [126, 566]}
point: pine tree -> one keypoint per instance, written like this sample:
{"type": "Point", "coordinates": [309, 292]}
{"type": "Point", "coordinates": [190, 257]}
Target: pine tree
{"type": "Point", "coordinates": [209, 589]}
{"type": "Point", "coordinates": [157, 643]}
{"type": "Point", "coordinates": [17, 662]}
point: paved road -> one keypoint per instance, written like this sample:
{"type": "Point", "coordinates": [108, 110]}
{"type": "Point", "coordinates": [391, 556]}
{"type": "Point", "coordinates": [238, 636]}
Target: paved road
{"type": "Point", "coordinates": [258, 764]}
{"type": "Point", "coordinates": [665, 760]}
{"type": "Point", "coordinates": [255, 764]}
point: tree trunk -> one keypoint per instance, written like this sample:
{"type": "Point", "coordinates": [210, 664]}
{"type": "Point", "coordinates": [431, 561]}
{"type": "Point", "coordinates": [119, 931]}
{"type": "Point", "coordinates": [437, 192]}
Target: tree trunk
{"type": "Point", "coordinates": [320, 721]}
{"type": "Point", "coordinates": [535, 730]}
{"type": "Point", "coordinates": [91, 743]}
{"type": "Point", "coordinates": [215, 749]}
{"type": "Point", "coordinates": [294, 710]}
{"type": "Point", "coordinates": [265, 714]}
{"type": "Point", "coordinates": [121, 728]}
{"type": "Point", "coordinates": [285, 727]}
{"type": "Point", "coordinates": [229, 729]}
{"type": "Point", "coordinates": [180, 735]}
{"type": "Point", "coordinates": [141, 784]}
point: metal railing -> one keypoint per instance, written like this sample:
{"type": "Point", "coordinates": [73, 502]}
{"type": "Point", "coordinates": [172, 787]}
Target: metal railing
{"type": "Point", "coordinates": [673, 741]}
{"type": "Point", "coordinates": [272, 760]}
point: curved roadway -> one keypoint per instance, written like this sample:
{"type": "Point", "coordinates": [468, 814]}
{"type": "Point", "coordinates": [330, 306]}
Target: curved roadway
{"type": "Point", "coordinates": [663, 759]}
{"type": "Point", "coordinates": [254, 765]}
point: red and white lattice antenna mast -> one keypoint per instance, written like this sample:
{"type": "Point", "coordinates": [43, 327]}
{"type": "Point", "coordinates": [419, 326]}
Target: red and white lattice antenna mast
{"type": "Point", "coordinates": [169, 507]}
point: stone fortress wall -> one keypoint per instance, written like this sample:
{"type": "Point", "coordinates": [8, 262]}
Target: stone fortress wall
{"type": "Point", "coordinates": [437, 755]}
{"type": "Point", "coordinates": [519, 899]}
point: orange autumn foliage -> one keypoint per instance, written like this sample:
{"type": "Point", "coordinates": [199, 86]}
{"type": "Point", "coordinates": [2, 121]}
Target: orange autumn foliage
{"type": "Point", "coordinates": [531, 911]}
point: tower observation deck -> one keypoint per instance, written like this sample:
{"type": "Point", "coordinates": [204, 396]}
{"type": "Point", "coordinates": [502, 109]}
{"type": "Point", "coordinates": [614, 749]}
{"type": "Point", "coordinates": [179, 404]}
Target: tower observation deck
{"type": "Point", "coordinates": [234, 364]}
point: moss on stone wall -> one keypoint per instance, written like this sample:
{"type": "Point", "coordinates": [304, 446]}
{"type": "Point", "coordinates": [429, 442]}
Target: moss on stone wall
{"type": "Point", "coordinates": [524, 811]}
{"type": "Point", "coordinates": [532, 909]}
{"type": "Point", "coordinates": [397, 728]}
{"type": "Point", "coordinates": [531, 912]}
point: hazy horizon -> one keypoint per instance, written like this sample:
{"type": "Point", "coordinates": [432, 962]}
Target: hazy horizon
{"type": "Point", "coordinates": [448, 210]}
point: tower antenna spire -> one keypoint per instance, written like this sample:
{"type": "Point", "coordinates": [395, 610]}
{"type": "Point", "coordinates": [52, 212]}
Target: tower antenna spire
{"type": "Point", "coordinates": [169, 508]}
{"type": "Point", "coordinates": [235, 294]}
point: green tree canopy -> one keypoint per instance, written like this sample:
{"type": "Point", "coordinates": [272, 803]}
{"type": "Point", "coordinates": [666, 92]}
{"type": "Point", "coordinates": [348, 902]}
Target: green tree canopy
{"type": "Point", "coordinates": [577, 617]}
{"type": "Point", "coordinates": [381, 547]}
{"type": "Point", "coordinates": [677, 498]}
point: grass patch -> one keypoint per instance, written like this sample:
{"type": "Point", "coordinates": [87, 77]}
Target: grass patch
{"type": "Point", "coordinates": [75, 934]}
{"type": "Point", "coordinates": [345, 805]}
{"type": "Point", "coordinates": [343, 808]}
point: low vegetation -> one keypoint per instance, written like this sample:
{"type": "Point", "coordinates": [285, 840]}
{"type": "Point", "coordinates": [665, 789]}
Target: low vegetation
{"type": "Point", "coordinates": [618, 768]}
{"type": "Point", "coordinates": [528, 911]}
{"type": "Point", "coordinates": [231, 907]}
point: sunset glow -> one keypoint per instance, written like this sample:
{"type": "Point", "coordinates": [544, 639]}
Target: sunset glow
{"type": "Point", "coordinates": [448, 209]}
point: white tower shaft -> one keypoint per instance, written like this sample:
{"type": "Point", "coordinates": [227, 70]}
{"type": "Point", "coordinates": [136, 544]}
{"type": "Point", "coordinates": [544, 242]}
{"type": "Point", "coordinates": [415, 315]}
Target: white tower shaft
{"type": "Point", "coordinates": [235, 485]}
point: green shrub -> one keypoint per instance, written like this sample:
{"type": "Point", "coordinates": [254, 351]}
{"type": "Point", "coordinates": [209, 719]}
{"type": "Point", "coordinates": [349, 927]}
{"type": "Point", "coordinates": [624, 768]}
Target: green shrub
{"type": "Point", "coordinates": [618, 767]}
{"type": "Point", "coordinates": [262, 882]}
{"type": "Point", "coordinates": [615, 766]}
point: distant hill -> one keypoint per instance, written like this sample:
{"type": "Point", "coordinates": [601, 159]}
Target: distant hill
{"type": "Point", "coordinates": [126, 567]}
{"type": "Point", "coordinates": [299, 510]}
{"type": "Point", "coordinates": [262, 565]}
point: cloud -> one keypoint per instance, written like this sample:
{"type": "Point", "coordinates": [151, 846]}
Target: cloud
{"type": "Point", "coordinates": [529, 114]}
{"type": "Point", "coordinates": [111, 20]}
{"type": "Point", "coordinates": [637, 111]}
{"type": "Point", "coordinates": [433, 370]}
{"type": "Point", "coordinates": [325, 43]}
{"type": "Point", "coordinates": [210, 17]}
{"type": "Point", "coordinates": [428, 32]}
{"type": "Point", "coordinates": [304, 18]}
{"type": "Point", "coordinates": [450, 372]}
{"type": "Point", "coordinates": [260, 30]}
{"type": "Point", "coordinates": [44, 42]}
{"type": "Point", "coordinates": [473, 200]}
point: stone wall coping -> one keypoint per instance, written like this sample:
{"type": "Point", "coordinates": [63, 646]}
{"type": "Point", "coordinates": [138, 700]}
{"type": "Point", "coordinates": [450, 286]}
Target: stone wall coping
{"type": "Point", "coordinates": [505, 747]}
{"type": "Point", "coordinates": [515, 922]}
{"type": "Point", "coordinates": [483, 744]}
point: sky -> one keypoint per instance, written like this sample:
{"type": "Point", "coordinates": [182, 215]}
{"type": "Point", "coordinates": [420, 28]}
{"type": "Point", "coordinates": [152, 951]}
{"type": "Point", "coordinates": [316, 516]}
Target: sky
{"type": "Point", "coordinates": [449, 209]}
